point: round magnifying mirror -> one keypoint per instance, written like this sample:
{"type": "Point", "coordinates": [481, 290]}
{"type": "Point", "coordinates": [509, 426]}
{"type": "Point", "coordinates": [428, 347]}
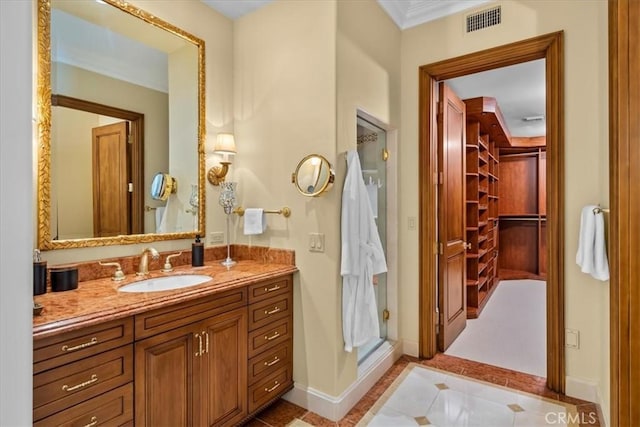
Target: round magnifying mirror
{"type": "Point", "coordinates": [162, 186]}
{"type": "Point", "coordinates": [313, 176]}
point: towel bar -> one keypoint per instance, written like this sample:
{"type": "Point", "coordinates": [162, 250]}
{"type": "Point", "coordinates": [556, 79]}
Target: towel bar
{"type": "Point", "coordinates": [285, 211]}
{"type": "Point", "coordinates": [598, 210]}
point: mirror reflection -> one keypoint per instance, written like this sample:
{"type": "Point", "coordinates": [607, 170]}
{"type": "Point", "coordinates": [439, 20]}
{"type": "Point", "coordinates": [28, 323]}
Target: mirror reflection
{"type": "Point", "coordinates": [128, 102]}
{"type": "Point", "coordinates": [313, 176]}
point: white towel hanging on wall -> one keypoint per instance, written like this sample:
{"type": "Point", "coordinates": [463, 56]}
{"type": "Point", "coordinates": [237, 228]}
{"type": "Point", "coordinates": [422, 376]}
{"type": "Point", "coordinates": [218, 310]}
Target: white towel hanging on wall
{"type": "Point", "coordinates": [255, 221]}
{"type": "Point", "coordinates": [592, 251]}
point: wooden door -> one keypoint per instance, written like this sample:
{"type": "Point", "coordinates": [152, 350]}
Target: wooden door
{"type": "Point", "coordinates": [111, 177]}
{"type": "Point", "coordinates": [452, 292]}
{"type": "Point", "coordinates": [166, 380]}
{"type": "Point", "coordinates": [224, 370]}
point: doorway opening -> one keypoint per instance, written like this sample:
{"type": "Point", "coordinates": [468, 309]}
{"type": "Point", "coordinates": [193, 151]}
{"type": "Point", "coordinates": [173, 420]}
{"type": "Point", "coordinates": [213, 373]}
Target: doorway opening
{"type": "Point", "coordinates": [505, 154]}
{"type": "Point", "coordinates": [435, 249]}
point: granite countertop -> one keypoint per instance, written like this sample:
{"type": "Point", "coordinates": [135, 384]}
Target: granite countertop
{"type": "Point", "coordinates": [97, 301]}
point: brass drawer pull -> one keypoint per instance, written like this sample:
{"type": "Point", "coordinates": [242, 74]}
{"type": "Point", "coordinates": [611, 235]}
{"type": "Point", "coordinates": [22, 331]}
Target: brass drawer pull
{"type": "Point", "coordinates": [93, 379]}
{"type": "Point", "coordinates": [206, 337]}
{"type": "Point", "coordinates": [93, 341]}
{"type": "Point", "coordinates": [273, 362]}
{"type": "Point", "coordinates": [94, 421]}
{"type": "Point", "coordinates": [269, 390]}
{"type": "Point", "coordinates": [272, 337]}
{"type": "Point", "coordinates": [274, 311]}
{"type": "Point", "coordinates": [199, 338]}
{"type": "Point", "coordinates": [275, 288]}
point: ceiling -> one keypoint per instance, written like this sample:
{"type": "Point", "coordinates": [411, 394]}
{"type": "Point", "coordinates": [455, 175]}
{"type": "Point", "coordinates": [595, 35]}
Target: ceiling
{"type": "Point", "coordinates": [405, 13]}
{"type": "Point", "coordinates": [518, 89]}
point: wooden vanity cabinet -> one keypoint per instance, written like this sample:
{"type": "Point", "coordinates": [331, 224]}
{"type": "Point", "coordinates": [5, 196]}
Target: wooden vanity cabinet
{"type": "Point", "coordinates": [270, 341]}
{"type": "Point", "coordinates": [212, 361]}
{"type": "Point", "coordinates": [193, 375]}
{"type": "Point", "coordinates": [190, 362]}
{"type": "Point", "coordinates": [84, 377]}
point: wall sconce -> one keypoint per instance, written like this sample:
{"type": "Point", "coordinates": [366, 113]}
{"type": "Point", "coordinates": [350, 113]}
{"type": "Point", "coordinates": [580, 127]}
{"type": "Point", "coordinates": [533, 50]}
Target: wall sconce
{"type": "Point", "coordinates": [225, 145]}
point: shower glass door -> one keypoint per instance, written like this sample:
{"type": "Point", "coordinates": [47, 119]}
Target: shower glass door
{"type": "Point", "coordinates": [372, 146]}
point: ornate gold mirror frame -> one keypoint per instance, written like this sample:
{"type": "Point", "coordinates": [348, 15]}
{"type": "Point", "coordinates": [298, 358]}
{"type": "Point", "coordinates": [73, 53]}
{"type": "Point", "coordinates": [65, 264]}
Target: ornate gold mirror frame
{"type": "Point", "coordinates": [45, 241]}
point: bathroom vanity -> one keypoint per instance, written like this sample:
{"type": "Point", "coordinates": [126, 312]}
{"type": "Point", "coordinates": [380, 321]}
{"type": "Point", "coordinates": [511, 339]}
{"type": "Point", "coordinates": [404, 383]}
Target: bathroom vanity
{"type": "Point", "coordinates": [212, 354]}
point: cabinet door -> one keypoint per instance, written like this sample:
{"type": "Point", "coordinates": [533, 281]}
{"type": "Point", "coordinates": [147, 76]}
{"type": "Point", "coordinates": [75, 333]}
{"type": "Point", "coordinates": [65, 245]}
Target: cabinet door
{"type": "Point", "coordinates": [223, 371]}
{"type": "Point", "coordinates": [165, 380]}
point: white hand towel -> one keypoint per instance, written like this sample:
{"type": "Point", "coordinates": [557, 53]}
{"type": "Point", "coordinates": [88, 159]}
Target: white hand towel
{"type": "Point", "coordinates": [592, 253]}
{"type": "Point", "coordinates": [255, 221]}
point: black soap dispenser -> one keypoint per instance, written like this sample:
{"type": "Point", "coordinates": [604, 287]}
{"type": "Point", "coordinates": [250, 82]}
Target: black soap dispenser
{"type": "Point", "coordinates": [197, 253]}
{"type": "Point", "coordinates": [39, 274]}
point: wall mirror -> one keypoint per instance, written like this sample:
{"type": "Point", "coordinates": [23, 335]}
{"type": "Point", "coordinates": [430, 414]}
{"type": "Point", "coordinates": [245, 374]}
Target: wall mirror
{"type": "Point", "coordinates": [120, 98]}
{"type": "Point", "coordinates": [313, 176]}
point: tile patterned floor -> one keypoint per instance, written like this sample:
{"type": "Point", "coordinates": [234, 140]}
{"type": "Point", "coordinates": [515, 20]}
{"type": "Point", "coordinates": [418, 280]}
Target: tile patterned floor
{"type": "Point", "coordinates": [284, 413]}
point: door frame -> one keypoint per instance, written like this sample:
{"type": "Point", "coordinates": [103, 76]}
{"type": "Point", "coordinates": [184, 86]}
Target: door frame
{"type": "Point", "coordinates": [136, 130]}
{"type": "Point", "coordinates": [624, 148]}
{"type": "Point", "coordinates": [549, 47]}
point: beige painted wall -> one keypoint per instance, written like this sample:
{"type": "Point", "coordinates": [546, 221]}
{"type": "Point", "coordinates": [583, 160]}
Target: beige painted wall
{"type": "Point", "coordinates": [71, 175]}
{"type": "Point", "coordinates": [216, 30]}
{"type": "Point", "coordinates": [297, 89]}
{"type": "Point", "coordinates": [285, 108]}
{"type": "Point", "coordinates": [586, 166]}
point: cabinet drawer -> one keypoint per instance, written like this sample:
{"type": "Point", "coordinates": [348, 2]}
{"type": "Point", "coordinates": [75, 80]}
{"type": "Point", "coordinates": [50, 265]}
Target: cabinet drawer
{"type": "Point", "coordinates": [68, 385]}
{"type": "Point", "coordinates": [114, 408]}
{"type": "Point", "coordinates": [269, 388]}
{"type": "Point", "coordinates": [165, 319]}
{"type": "Point", "coordinates": [65, 348]}
{"type": "Point", "coordinates": [267, 311]}
{"type": "Point", "coordinates": [270, 361]}
{"type": "Point", "coordinates": [269, 288]}
{"type": "Point", "coordinates": [269, 336]}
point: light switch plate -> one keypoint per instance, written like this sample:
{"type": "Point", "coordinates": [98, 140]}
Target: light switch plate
{"type": "Point", "coordinates": [316, 242]}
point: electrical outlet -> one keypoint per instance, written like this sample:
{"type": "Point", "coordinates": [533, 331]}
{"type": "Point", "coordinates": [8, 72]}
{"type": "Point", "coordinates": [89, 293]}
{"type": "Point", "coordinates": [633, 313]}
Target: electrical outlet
{"type": "Point", "coordinates": [411, 223]}
{"type": "Point", "coordinates": [216, 237]}
{"type": "Point", "coordinates": [316, 242]}
{"type": "Point", "coordinates": [572, 338]}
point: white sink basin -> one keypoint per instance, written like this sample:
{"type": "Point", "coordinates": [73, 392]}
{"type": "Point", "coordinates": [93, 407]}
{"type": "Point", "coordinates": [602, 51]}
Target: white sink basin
{"type": "Point", "coordinates": [168, 283]}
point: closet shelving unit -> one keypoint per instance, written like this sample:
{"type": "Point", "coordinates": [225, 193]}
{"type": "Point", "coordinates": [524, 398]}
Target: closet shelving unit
{"type": "Point", "coordinates": [522, 213]}
{"type": "Point", "coordinates": [486, 130]}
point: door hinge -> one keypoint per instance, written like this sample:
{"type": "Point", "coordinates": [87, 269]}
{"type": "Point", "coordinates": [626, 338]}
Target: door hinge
{"type": "Point", "coordinates": [385, 314]}
{"type": "Point", "coordinates": [440, 249]}
{"type": "Point", "coordinates": [440, 178]}
{"type": "Point", "coordinates": [385, 154]}
{"type": "Point", "coordinates": [130, 187]}
{"type": "Point", "coordinates": [441, 319]}
{"type": "Point", "coordinates": [129, 139]}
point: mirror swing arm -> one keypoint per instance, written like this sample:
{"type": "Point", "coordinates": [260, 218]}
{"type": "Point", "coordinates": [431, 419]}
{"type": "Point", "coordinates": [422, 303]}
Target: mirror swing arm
{"type": "Point", "coordinates": [44, 101]}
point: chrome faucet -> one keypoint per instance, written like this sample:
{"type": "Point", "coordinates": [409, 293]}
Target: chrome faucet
{"type": "Point", "coordinates": [143, 269]}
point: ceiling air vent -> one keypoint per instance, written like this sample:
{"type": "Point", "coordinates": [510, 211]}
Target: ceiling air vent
{"type": "Point", "coordinates": [484, 19]}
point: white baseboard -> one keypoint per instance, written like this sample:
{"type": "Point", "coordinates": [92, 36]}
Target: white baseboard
{"type": "Point", "coordinates": [335, 408]}
{"type": "Point", "coordinates": [410, 348]}
{"type": "Point", "coordinates": [581, 389]}
{"type": "Point", "coordinates": [603, 412]}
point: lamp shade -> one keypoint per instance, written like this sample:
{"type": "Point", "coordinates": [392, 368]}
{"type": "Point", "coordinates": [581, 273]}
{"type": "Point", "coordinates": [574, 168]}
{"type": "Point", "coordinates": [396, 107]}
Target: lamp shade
{"type": "Point", "coordinates": [225, 144]}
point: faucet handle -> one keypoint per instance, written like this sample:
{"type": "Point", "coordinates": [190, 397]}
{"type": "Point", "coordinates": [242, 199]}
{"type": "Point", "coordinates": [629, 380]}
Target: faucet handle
{"type": "Point", "coordinates": [118, 274]}
{"type": "Point", "coordinates": [167, 263]}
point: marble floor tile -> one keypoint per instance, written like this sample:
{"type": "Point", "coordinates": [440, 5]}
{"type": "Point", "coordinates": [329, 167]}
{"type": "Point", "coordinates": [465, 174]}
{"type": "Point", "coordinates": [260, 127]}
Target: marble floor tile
{"type": "Point", "coordinates": [457, 392]}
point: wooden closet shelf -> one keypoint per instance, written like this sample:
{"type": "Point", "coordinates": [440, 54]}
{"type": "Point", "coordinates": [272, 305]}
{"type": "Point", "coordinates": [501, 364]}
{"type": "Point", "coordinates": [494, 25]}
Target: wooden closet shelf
{"type": "Point", "coordinates": [472, 202]}
{"type": "Point", "coordinates": [472, 147]}
{"type": "Point", "coordinates": [483, 207]}
{"type": "Point", "coordinates": [472, 173]}
{"type": "Point", "coordinates": [482, 266]}
{"type": "Point", "coordinates": [482, 238]}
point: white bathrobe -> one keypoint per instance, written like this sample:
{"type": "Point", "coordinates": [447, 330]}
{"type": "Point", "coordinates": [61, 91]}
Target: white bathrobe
{"type": "Point", "coordinates": [362, 258]}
